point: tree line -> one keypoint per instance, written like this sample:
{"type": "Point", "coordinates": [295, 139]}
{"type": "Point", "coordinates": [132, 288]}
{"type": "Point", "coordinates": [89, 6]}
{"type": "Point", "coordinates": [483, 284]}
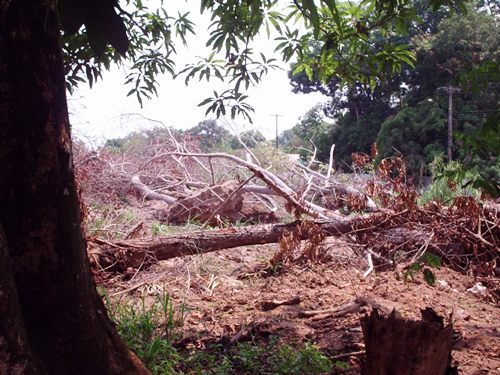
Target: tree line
{"type": "Point", "coordinates": [407, 113]}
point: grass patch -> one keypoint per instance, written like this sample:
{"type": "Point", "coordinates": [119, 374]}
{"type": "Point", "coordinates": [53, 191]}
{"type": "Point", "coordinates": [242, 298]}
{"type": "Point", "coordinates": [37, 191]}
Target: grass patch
{"type": "Point", "coordinates": [149, 329]}
{"type": "Point", "coordinates": [161, 229]}
{"type": "Point", "coordinates": [252, 358]}
{"type": "Point", "coordinates": [108, 222]}
{"type": "Point", "coordinates": [450, 181]}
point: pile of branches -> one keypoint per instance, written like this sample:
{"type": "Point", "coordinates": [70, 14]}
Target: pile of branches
{"type": "Point", "coordinates": [465, 235]}
{"type": "Point", "coordinates": [171, 169]}
{"type": "Point", "coordinates": [396, 229]}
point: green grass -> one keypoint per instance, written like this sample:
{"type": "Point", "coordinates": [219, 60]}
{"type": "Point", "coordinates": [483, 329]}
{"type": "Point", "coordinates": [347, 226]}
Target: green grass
{"type": "Point", "coordinates": [108, 222]}
{"type": "Point", "coordinates": [150, 329]}
{"type": "Point", "coordinates": [252, 358]}
{"type": "Point", "coordinates": [160, 229]}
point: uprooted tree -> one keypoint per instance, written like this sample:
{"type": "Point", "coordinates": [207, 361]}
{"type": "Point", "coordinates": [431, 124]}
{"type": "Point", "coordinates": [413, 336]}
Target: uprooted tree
{"type": "Point", "coordinates": [52, 320]}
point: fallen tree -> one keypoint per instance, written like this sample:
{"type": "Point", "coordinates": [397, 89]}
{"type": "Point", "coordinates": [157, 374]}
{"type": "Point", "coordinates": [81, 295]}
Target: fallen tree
{"type": "Point", "coordinates": [194, 184]}
{"type": "Point", "coordinates": [120, 255]}
{"type": "Point", "coordinates": [464, 236]}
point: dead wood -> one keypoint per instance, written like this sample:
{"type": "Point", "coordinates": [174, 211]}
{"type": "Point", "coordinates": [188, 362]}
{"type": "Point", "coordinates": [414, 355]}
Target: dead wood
{"type": "Point", "coordinates": [120, 255]}
{"type": "Point", "coordinates": [226, 200]}
{"type": "Point", "coordinates": [149, 194]}
{"type": "Point", "coordinates": [274, 182]}
{"type": "Point", "coordinates": [248, 330]}
{"type": "Point", "coordinates": [348, 308]}
{"type": "Point", "coordinates": [332, 187]}
{"type": "Point", "coordinates": [398, 346]}
{"type": "Point", "coordinates": [271, 305]}
{"type": "Point", "coordinates": [406, 235]}
{"type": "Point", "coordinates": [347, 355]}
{"type": "Point", "coordinates": [134, 230]}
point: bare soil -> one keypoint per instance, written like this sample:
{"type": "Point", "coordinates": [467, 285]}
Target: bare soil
{"type": "Point", "coordinates": [225, 294]}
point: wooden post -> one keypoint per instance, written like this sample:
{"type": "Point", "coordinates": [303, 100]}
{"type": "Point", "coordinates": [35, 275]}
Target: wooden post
{"type": "Point", "coordinates": [450, 90]}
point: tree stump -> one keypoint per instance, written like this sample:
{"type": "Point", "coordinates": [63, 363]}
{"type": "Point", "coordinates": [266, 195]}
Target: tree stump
{"type": "Point", "coordinates": [225, 199]}
{"type": "Point", "coordinates": [398, 346]}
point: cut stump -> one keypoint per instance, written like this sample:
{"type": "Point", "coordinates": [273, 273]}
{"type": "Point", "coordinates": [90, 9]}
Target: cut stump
{"type": "Point", "coordinates": [403, 347]}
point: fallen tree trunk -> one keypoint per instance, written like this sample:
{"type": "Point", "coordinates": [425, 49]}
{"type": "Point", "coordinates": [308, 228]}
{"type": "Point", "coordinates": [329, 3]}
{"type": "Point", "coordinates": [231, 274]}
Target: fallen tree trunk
{"type": "Point", "coordinates": [120, 255]}
{"type": "Point", "coordinates": [272, 181]}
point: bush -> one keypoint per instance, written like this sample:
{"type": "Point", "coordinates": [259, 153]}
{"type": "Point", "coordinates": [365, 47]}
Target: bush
{"type": "Point", "coordinates": [449, 181]}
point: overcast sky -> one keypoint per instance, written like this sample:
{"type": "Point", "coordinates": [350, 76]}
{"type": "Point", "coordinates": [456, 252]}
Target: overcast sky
{"type": "Point", "coordinates": [104, 111]}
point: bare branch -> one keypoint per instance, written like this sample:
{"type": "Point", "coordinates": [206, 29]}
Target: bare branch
{"type": "Point", "coordinates": [150, 194]}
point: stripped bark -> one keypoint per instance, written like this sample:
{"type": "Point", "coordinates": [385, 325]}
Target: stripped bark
{"type": "Point", "coordinates": [332, 185]}
{"type": "Point", "coordinates": [149, 194]}
{"type": "Point", "coordinates": [209, 205]}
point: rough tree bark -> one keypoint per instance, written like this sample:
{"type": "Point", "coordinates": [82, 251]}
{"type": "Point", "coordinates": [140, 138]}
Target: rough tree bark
{"type": "Point", "coordinates": [52, 319]}
{"type": "Point", "coordinates": [398, 346]}
{"type": "Point", "coordinates": [120, 255]}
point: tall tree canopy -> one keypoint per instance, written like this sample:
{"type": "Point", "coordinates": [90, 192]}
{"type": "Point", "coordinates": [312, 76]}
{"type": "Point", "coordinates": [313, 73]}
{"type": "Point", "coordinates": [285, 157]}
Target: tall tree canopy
{"type": "Point", "coordinates": [339, 34]}
{"type": "Point", "coordinates": [51, 319]}
{"type": "Point", "coordinates": [460, 49]}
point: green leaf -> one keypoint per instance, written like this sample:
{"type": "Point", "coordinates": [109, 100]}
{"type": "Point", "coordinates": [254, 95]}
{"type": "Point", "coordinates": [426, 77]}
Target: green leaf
{"type": "Point", "coordinates": [432, 260]}
{"type": "Point", "coordinates": [415, 266]}
{"type": "Point", "coordinates": [408, 275]}
{"type": "Point", "coordinates": [204, 102]}
{"type": "Point", "coordinates": [429, 276]}
{"type": "Point", "coordinates": [313, 15]}
{"type": "Point", "coordinates": [373, 83]}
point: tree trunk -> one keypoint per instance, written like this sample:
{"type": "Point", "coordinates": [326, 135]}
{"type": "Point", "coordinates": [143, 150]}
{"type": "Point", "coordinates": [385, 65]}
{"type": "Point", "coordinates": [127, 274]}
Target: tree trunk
{"type": "Point", "coordinates": [120, 255]}
{"type": "Point", "coordinates": [404, 347]}
{"type": "Point", "coordinates": [52, 319]}
{"type": "Point", "coordinates": [15, 354]}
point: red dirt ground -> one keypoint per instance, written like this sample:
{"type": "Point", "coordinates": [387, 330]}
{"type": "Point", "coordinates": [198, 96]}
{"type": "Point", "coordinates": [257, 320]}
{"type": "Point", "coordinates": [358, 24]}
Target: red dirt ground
{"type": "Point", "coordinates": [223, 296]}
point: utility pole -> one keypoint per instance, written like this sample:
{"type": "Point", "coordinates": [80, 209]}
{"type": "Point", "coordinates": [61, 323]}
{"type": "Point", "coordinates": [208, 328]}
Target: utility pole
{"type": "Point", "coordinates": [450, 90]}
{"type": "Point", "coordinates": [276, 117]}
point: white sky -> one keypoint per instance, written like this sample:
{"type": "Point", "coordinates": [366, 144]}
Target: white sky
{"type": "Point", "coordinates": [103, 112]}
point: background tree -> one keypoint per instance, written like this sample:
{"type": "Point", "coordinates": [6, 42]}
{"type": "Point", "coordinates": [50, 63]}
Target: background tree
{"type": "Point", "coordinates": [418, 133]}
{"type": "Point", "coordinates": [210, 135]}
{"type": "Point", "coordinates": [311, 131]}
{"type": "Point", "coordinates": [251, 138]}
{"type": "Point", "coordinates": [461, 44]}
{"type": "Point", "coordinates": [446, 48]}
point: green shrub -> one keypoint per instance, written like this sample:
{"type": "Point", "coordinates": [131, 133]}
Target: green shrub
{"type": "Point", "coordinates": [148, 330]}
{"type": "Point", "coordinates": [449, 181]}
